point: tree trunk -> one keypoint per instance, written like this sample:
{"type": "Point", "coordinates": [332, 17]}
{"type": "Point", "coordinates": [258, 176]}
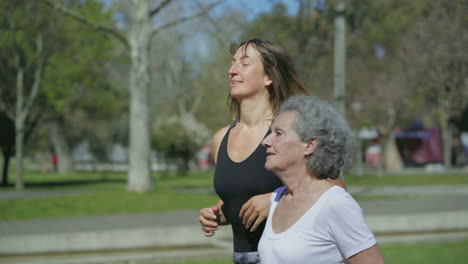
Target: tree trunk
{"type": "Point", "coordinates": [61, 148]}
{"type": "Point", "coordinates": [23, 108]}
{"type": "Point", "coordinates": [446, 138]}
{"type": "Point", "coordinates": [7, 144]}
{"type": "Point", "coordinates": [19, 183]}
{"type": "Point", "coordinates": [391, 157]}
{"type": "Point", "coordinates": [139, 174]}
{"type": "Point", "coordinates": [6, 162]}
{"type": "Point", "coordinates": [444, 109]}
{"type": "Point", "coordinates": [339, 60]}
{"type": "Point", "coordinates": [19, 130]}
{"type": "Point", "coordinates": [358, 164]}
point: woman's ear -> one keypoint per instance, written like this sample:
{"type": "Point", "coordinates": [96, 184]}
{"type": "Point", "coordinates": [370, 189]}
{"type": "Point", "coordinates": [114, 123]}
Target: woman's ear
{"type": "Point", "coordinates": [311, 146]}
{"type": "Point", "coordinates": [267, 81]}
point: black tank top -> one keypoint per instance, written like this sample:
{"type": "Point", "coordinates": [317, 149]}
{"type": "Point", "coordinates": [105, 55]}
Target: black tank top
{"type": "Point", "coordinates": [235, 183]}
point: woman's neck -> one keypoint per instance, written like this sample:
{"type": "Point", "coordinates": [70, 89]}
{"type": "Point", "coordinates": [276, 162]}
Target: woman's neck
{"type": "Point", "coordinates": [256, 111]}
{"type": "Point", "coordinates": [299, 180]}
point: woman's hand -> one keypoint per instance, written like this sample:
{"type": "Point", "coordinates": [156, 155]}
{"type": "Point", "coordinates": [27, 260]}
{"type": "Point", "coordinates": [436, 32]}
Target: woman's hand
{"type": "Point", "coordinates": [210, 218]}
{"type": "Point", "coordinates": [255, 211]}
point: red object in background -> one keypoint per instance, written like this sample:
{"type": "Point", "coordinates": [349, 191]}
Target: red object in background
{"type": "Point", "coordinates": [54, 159]}
{"type": "Point", "coordinates": [421, 146]}
{"type": "Point", "coordinates": [373, 155]}
{"type": "Point", "coordinates": [204, 157]}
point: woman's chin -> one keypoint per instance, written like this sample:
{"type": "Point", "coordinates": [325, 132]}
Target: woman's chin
{"type": "Point", "coordinates": [269, 166]}
{"type": "Point", "coordinates": [236, 95]}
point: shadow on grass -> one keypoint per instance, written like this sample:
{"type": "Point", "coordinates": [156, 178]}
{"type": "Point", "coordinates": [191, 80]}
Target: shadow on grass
{"type": "Point", "coordinates": [65, 183]}
{"type": "Point", "coordinates": [72, 183]}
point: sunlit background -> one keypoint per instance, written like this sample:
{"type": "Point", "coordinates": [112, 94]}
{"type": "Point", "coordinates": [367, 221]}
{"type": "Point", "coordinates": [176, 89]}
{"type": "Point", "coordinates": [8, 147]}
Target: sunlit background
{"type": "Point", "coordinates": [107, 108]}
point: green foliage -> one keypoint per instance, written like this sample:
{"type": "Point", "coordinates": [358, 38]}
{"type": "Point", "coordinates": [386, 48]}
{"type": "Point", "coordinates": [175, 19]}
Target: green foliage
{"type": "Point", "coordinates": [307, 36]}
{"type": "Point", "coordinates": [76, 88]}
{"type": "Point", "coordinates": [18, 45]}
{"type": "Point", "coordinates": [215, 88]}
{"type": "Point", "coordinates": [384, 21]}
{"type": "Point", "coordinates": [273, 26]}
{"type": "Point", "coordinates": [76, 74]}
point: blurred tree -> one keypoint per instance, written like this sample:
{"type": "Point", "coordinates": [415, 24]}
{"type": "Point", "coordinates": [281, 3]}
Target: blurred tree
{"type": "Point", "coordinates": [7, 144]}
{"type": "Point", "coordinates": [211, 79]}
{"type": "Point", "coordinates": [307, 36]}
{"type": "Point", "coordinates": [412, 57]}
{"type": "Point", "coordinates": [435, 50]}
{"type": "Point", "coordinates": [75, 82]}
{"type": "Point", "coordinates": [69, 82]}
{"type": "Point", "coordinates": [379, 75]}
{"type": "Point", "coordinates": [179, 138]}
{"type": "Point", "coordinates": [137, 39]}
{"type": "Point", "coordinates": [378, 80]}
{"type": "Point", "coordinates": [26, 56]}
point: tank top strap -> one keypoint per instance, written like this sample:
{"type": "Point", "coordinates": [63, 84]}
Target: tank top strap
{"type": "Point", "coordinates": [233, 124]}
{"type": "Point", "coordinates": [222, 152]}
{"type": "Point", "coordinates": [226, 136]}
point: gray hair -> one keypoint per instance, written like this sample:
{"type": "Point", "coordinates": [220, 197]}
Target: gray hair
{"type": "Point", "coordinates": [318, 120]}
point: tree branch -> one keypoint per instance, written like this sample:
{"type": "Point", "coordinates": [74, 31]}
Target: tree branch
{"type": "Point", "coordinates": [187, 18]}
{"type": "Point", "coordinates": [106, 29]}
{"type": "Point", "coordinates": [37, 78]}
{"type": "Point", "coordinates": [217, 28]}
{"type": "Point", "coordinates": [158, 8]}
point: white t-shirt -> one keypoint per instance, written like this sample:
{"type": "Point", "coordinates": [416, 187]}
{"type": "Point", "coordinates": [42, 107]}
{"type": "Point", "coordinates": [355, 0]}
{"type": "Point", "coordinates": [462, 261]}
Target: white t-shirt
{"type": "Point", "coordinates": [331, 231]}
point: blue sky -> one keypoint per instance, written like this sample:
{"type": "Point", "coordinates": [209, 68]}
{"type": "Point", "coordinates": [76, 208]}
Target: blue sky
{"type": "Point", "coordinates": [252, 7]}
{"type": "Point", "coordinates": [255, 7]}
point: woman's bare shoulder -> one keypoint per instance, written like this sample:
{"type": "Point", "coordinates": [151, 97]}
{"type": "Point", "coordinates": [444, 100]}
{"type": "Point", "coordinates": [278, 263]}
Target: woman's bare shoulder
{"type": "Point", "coordinates": [216, 141]}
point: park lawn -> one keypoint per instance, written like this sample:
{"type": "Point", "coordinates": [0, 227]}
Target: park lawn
{"type": "Point", "coordinates": [102, 193]}
{"type": "Point", "coordinates": [102, 203]}
{"type": "Point", "coordinates": [433, 253]}
{"type": "Point", "coordinates": [448, 252]}
{"type": "Point", "coordinates": [407, 180]}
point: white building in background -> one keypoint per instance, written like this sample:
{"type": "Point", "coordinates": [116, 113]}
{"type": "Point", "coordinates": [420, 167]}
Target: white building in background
{"type": "Point", "coordinates": [82, 153]}
{"type": "Point", "coordinates": [118, 153]}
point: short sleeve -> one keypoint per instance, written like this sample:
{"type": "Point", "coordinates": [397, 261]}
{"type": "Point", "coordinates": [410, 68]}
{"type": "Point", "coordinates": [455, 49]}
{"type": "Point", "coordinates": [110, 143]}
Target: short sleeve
{"type": "Point", "coordinates": [348, 227]}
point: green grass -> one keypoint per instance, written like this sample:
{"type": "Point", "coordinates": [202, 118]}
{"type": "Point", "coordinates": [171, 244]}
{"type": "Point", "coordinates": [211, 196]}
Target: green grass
{"type": "Point", "coordinates": [386, 197]}
{"type": "Point", "coordinates": [105, 193]}
{"type": "Point", "coordinates": [452, 252]}
{"type": "Point", "coordinates": [407, 180]}
{"type": "Point", "coordinates": [206, 261]}
{"type": "Point", "coordinates": [107, 180]}
{"type": "Point", "coordinates": [101, 203]}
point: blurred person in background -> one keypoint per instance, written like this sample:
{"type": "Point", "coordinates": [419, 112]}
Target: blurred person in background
{"type": "Point", "coordinates": [261, 77]}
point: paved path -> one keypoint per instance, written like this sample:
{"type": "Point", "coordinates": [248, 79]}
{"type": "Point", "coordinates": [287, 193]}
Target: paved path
{"type": "Point", "coordinates": [435, 209]}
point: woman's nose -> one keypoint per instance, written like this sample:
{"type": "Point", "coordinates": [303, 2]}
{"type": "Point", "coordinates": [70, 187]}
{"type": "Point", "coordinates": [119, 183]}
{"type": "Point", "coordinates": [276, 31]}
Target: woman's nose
{"type": "Point", "coordinates": [233, 69]}
{"type": "Point", "coordinates": [266, 142]}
